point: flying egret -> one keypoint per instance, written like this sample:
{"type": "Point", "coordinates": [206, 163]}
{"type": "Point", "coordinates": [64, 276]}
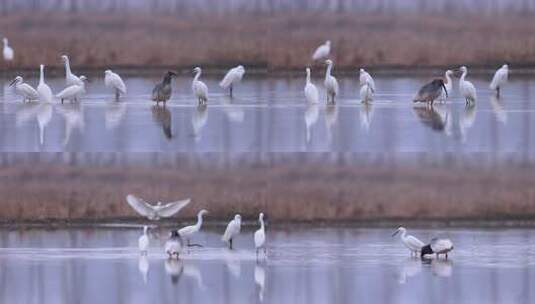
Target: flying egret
{"type": "Point", "coordinates": [113, 80]}
{"type": "Point", "coordinates": [232, 77]}
{"type": "Point", "coordinates": [43, 90]}
{"type": "Point", "coordinates": [233, 229]}
{"type": "Point", "coordinates": [188, 231]}
{"type": "Point", "coordinates": [366, 78]}
{"type": "Point", "coordinates": [155, 212]}
{"type": "Point", "coordinates": [143, 241]}
{"type": "Point", "coordinates": [163, 90]}
{"type": "Point", "coordinates": [366, 92]}
{"type": "Point", "coordinates": [322, 51]}
{"type": "Point", "coordinates": [260, 236]}
{"type": "Point", "coordinates": [437, 246]}
{"type": "Point", "coordinates": [412, 243]}
{"type": "Point", "coordinates": [431, 91]}
{"type": "Point", "coordinates": [467, 89]}
{"type": "Point", "coordinates": [174, 245]}
{"type": "Point", "coordinates": [8, 52]}
{"type": "Point", "coordinates": [70, 78]}
{"type": "Point", "coordinates": [199, 88]}
{"type": "Point", "coordinates": [311, 91]}
{"type": "Point", "coordinates": [500, 79]}
{"type": "Point", "coordinates": [24, 90]}
{"type": "Point", "coordinates": [331, 84]}
{"type": "Point", "coordinates": [448, 86]}
{"type": "Point", "coordinates": [73, 92]}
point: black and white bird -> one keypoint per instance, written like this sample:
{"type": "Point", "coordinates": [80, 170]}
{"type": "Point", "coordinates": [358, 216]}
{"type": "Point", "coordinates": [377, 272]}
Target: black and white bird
{"type": "Point", "coordinates": [155, 212]}
{"type": "Point", "coordinates": [431, 91]}
{"type": "Point", "coordinates": [437, 246]}
{"type": "Point", "coordinates": [163, 90]}
{"type": "Point", "coordinates": [174, 245]}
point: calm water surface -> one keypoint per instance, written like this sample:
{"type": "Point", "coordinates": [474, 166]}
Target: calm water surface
{"type": "Point", "coordinates": [304, 265]}
{"type": "Point", "coordinates": [270, 115]}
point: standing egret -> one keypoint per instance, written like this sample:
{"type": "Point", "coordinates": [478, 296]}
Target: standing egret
{"type": "Point", "coordinates": [233, 229]}
{"type": "Point", "coordinates": [8, 52]}
{"type": "Point", "coordinates": [199, 88]}
{"type": "Point", "coordinates": [331, 84]}
{"type": "Point", "coordinates": [188, 231]}
{"type": "Point", "coordinates": [232, 77]}
{"type": "Point", "coordinates": [322, 51]}
{"type": "Point", "coordinates": [431, 91]}
{"type": "Point", "coordinates": [70, 78]}
{"type": "Point", "coordinates": [24, 90]}
{"type": "Point", "coordinates": [260, 236]}
{"type": "Point", "coordinates": [113, 80]}
{"type": "Point", "coordinates": [155, 212]}
{"type": "Point", "coordinates": [366, 78]}
{"type": "Point", "coordinates": [143, 241]}
{"type": "Point", "coordinates": [311, 91]}
{"type": "Point", "coordinates": [412, 243]}
{"type": "Point", "coordinates": [500, 79]}
{"type": "Point", "coordinates": [162, 91]}
{"type": "Point", "coordinates": [437, 246]}
{"type": "Point", "coordinates": [448, 86]}
{"type": "Point", "coordinates": [366, 92]}
{"type": "Point", "coordinates": [43, 90]}
{"type": "Point", "coordinates": [467, 89]}
{"type": "Point", "coordinates": [73, 92]}
{"type": "Point", "coordinates": [174, 245]}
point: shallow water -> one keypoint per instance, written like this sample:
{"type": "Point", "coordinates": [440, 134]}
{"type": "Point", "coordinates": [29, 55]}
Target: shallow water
{"type": "Point", "coordinates": [304, 265]}
{"type": "Point", "coordinates": [270, 115]}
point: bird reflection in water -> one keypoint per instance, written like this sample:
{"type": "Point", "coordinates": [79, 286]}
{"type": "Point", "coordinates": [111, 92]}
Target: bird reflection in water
{"type": "Point", "coordinates": [233, 112]}
{"type": "Point", "coordinates": [410, 268]}
{"type": "Point", "coordinates": [331, 117]}
{"type": "Point", "coordinates": [433, 117]}
{"type": "Point", "coordinates": [191, 270]}
{"type": "Point", "coordinates": [468, 118]}
{"type": "Point", "coordinates": [497, 107]}
{"type": "Point", "coordinates": [143, 267]}
{"type": "Point", "coordinates": [260, 280]}
{"type": "Point", "coordinates": [162, 116]}
{"type": "Point", "coordinates": [174, 268]}
{"type": "Point", "coordinates": [40, 111]}
{"type": "Point", "coordinates": [439, 267]}
{"type": "Point", "coordinates": [311, 118]}
{"type": "Point", "coordinates": [115, 112]}
{"type": "Point", "coordinates": [74, 119]}
{"type": "Point", "coordinates": [199, 119]}
{"type": "Point", "coordinates": [366, 116]}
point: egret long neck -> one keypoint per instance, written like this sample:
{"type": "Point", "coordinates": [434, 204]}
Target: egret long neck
{"type": "Point", "coordinates": [262, 223]}
{"type": "Point", "coordinates": [197, 76]}
{"type": "Point", "coordinates": [42, 75]}
{"type": "Point", "coordinates": [308, 76]}
{"type": "Point", "coordinates": [448, 82]}
{"type": "Point", "coordinates": [328, 72]}
{"type": "Point", "coordinates": [67, 67]}
{"type": "Point", "coordinates": [463, 76]}
{"type": "Point", "coordinates": [199, 220]}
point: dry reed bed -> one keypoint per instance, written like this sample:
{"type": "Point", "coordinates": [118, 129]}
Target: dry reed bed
{"type": "Point", "coordinates": [284, 191]}
{"type": "Point", "coordinates": [279, 41]}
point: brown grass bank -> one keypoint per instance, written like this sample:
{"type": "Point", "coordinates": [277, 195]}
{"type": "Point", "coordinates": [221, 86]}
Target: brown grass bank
{"type": "Point", "coordinates": [280, 41]}
{"type": "Point", "coordinates": [312, 191]}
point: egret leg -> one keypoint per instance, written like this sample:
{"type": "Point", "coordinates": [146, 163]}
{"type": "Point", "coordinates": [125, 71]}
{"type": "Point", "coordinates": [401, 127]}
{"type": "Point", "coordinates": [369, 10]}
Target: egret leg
{"type": "Point", "coordinates": [230, 90]}
{"type": "Point", "coordinates": [230, 244]}
{"type": "Point", "coordinates": [498, 89]}
{"type": "Point", "coordinates": [116, 95]}
{"type": "Point", "coordinates": [257, 253]}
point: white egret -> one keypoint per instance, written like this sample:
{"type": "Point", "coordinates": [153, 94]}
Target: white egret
{"type": "Point", "coordinates": [430, 91]}
{"type": "Point", "coordinates": [448, 86]}
{"type": "Point", "coordinates": [500, 79]}
{"type": "Point", "coordinates": [260, 236]}
{"type": "Point", "coordinates": [233, 76]}
{"type": "Point", "coordinates": [199, 88]}
{"type": "Point", "coordinates": [24, 90]}
{"type": "Point", "coordinates": [366, 78]}
{"type": "Point", "coordinates": [43, 90]}
{"type": "Point", "coordinates": [412, 243]}
{"type": "Point", "coordinates": [173, 246]}
{"type": "Point", "coordinates": [438, 246]}
{"type": "Point", "coordinates": [188, 231]}
{"type": "Point", "coordinates": [143, 241]}
{"type": "Point", "coordinates": [143, 267]}
{"type": "Point", "coordinates": [8, 52]}
{"type": "Point", "coordinates": [113, 80]}
{"type": "Point", "coordinates": [322, 51]}
{"type": "Point", "coordinates": [467, 89]}
{"type": "Point", "coordinates": [311, 91]}
{"type": "Point", "coordinates": [331, 84]}
{"type": "Point", "coordinates": [233, 229]}
{"type": "Point", "coordinates": [163, 90]}
{"type": "Point", "coordinates": [366, 92]}
{"type": "Point", "coordinates": [155, 212]}
{"type": "Point", "coordinates": [73, 92]}
{"type": "Point", "coordinates": [70, 78]}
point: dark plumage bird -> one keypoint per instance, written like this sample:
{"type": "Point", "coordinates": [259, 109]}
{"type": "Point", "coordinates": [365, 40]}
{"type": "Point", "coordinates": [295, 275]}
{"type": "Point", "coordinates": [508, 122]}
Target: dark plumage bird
{"type": "Point", "coordinates": [162, 91]}
{"type": "Point", "coordinates": [437, 246]}
{"type": "Point", "coordinates": [431, 91]}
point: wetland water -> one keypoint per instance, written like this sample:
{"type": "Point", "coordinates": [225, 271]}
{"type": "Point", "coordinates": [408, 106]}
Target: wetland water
{"type": "Point", "coordinates": [304, 265]}
{"type": "Point", "coordinates": [270, 115]}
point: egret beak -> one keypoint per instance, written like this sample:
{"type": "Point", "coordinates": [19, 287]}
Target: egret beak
{"type": "Point", "coordinates": [444, 87]}
{"type": "Point", "coordinates": [13, 82]}
{"type": "Point", "coordinates": [395, 232]}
